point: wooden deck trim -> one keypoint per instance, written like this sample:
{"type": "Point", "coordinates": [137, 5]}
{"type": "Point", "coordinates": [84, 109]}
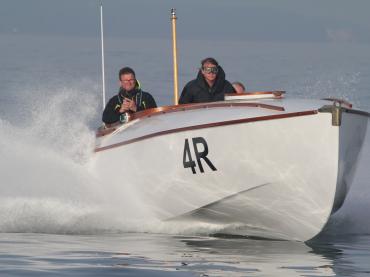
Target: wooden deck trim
{"type": "Point", "coordinates": [197, 106]}
{"type": "Point", "coordinates": [180, 108]}
{"type": "Point", "coordinates": [275, 93]}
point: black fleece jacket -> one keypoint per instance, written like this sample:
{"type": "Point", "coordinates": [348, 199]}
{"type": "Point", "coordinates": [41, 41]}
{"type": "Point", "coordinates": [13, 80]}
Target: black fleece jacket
{"type": "Point", "coordinates": [142, 99]}
{"type": "Point", "coordinates": [198, 90]}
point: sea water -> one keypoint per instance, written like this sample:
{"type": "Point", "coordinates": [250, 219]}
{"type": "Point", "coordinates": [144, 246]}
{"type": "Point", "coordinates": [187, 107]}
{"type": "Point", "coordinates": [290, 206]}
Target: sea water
{"type": "Point", "coordinates": [56, 219]}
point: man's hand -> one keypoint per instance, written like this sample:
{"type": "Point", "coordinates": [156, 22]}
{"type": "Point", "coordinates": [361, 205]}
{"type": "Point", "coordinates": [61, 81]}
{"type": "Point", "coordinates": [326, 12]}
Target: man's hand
{"type": "Point", "coordinates": [128, 105]}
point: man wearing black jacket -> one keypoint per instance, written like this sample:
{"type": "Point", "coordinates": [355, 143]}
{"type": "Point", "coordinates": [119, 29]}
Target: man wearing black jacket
{"type": "Point", "coordinates": [210, 84]}
{"type": "Point", "coordinates": [129, 99]}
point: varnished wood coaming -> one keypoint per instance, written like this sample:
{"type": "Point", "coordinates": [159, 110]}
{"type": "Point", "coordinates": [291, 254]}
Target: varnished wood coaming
{"type": "Point", "coordinates": [275, 93]}
{"type": "Point", "coordinates": [180, 108]}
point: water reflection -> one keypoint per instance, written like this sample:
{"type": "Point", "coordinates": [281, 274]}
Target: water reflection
{"type": "Point", "coordinates": [350, 253]}
{"type": "Point", "coordinates": [231, 256]}
{"type": "Point", "coordinates": [137, 254]}
{"type": "Point", "coordinates": [236, 257]}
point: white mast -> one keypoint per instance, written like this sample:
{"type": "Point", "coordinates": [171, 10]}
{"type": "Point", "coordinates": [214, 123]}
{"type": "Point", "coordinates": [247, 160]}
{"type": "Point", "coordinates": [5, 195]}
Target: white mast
{"type": "Point", "coordinates": [102, 51]}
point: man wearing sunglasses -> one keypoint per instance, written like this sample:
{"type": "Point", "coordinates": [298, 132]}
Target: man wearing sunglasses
{"type": "Point", "coordinates": [209, 86]}
{"type": "Point", "coordinates": [129, 99]}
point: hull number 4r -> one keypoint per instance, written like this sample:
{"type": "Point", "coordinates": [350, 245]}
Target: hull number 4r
{"type": "Point", "coordinates": [200, 152]}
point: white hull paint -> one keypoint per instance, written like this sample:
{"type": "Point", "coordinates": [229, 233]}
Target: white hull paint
{"type": "Point", "coordinates": [266, 172]}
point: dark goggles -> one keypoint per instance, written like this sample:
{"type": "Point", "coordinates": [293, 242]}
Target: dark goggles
{"type": "Point", "coordinates": [212, 69]}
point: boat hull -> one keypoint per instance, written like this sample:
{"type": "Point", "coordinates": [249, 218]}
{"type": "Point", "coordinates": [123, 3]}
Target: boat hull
{"type": "Point", "coordinates": [275, 177]}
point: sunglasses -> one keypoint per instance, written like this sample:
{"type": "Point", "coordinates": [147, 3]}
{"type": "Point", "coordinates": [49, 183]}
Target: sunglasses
{"type": "Point", "coordinates": [212, 69]}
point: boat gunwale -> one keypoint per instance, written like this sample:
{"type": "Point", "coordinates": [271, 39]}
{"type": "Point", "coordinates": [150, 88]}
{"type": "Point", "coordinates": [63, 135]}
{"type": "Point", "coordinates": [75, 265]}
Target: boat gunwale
{"type": "Point", "coordinates": [358, 112]}
{"type": "Point", "coordinates": [208, 125]}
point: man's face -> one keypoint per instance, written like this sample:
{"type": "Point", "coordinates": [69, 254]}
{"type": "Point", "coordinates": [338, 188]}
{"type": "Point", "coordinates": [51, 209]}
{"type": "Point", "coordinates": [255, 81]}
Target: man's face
{"type": "Point", "coordinates": [209, 71]}
{"type": "Point", "coordinates": [127, 81]}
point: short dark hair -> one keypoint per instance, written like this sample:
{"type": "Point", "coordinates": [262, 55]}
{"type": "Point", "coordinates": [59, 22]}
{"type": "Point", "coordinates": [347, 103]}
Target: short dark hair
{"type": "Point", "coordinates": [239, 84]}
{"type": "Point", "coordinates": [209, 60]}
{"type": "Point", "coordinates": [126, 70]}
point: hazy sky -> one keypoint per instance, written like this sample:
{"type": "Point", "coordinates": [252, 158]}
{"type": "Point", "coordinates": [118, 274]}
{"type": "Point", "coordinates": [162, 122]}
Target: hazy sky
{"type": "Point", "coordinates": [277, 20]}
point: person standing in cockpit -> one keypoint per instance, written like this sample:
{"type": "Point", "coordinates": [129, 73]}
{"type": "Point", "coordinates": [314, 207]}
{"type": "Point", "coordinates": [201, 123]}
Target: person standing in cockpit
{"type": "Point", "coordinates": [129, 99]}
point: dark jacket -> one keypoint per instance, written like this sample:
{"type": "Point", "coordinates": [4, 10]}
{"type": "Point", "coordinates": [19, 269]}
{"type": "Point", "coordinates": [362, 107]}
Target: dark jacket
{"type": "Point", "coordinates": [142, 99]}
{"type": "Point", "coordinates": [198, 90]}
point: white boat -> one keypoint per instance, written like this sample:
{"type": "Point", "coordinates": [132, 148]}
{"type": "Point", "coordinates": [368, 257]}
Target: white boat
{"type": "Point", "coordinates": [262, 164]}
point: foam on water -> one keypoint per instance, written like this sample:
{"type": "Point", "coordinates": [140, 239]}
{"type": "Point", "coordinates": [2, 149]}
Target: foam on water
{"type": "Point", "coordinates": [46, 185]}
{"type": "Point", "coordinates": [45, 182]}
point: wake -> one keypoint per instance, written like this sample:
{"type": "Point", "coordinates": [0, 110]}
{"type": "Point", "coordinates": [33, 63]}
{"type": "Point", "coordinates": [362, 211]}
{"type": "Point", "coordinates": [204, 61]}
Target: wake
{"type": "Point", "coordinates": [46, 183]}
